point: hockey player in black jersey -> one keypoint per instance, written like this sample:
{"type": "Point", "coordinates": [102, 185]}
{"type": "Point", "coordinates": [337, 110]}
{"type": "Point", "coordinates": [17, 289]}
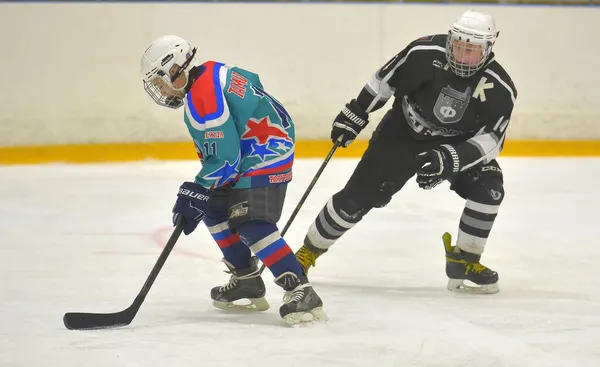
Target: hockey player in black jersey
{"type": "Point", "coordinates": [452, 104]}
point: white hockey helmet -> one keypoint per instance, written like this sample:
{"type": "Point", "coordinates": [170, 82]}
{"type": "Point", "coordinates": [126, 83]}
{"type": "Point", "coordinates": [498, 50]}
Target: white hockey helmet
{"type": "Point", "coordinates": [470, 42]}
{"type": "Point", "coordinates": [165, 68]}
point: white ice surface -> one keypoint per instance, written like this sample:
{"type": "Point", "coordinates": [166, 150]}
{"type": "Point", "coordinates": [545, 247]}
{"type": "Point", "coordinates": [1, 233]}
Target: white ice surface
{"type": "Point", "coordinates": [84, 238]}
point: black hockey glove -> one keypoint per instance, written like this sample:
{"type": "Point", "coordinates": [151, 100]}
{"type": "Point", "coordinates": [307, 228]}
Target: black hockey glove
{"type": "Point", "coordinates": [436, 165]}
{"type": "Point", "coordinates": [192, 199]}
{"type": "Point", "coordinates": [348, 123]}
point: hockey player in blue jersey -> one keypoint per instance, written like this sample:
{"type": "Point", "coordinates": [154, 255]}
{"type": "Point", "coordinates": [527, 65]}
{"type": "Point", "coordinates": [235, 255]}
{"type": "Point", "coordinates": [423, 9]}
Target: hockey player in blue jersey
{"type": "Point", "coordinates": [245, 141]}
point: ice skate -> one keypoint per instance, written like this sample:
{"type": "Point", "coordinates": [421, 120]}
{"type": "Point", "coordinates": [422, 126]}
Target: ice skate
{"type": "Point", "coordinates": [307, 255]}
{"type": "Point", "coordinates": [462, 265]}
{"type": "Point", "coordinates": [301, 305]}
{"type": "Point", "coordinates": [244, 285]}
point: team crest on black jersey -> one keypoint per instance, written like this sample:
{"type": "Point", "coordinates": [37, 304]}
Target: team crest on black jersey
{"type": "Point", "coordinates": [451, 105]}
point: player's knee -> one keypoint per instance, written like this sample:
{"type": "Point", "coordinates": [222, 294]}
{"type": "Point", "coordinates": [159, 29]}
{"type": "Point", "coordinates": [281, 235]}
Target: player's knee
{"type": "Point", "coordinates": [347, 208]}
{"type": "Point", "coordinates": [488, 191]}
{"type": "Point", "coordinates": [386, 191]}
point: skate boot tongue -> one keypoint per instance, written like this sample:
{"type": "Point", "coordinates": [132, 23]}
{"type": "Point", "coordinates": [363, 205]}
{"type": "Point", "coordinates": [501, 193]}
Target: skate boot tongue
{"type": "Point", "coordinates": [245, 289]}
{"type": "Point", "coordinates": [301, 303]}
{"type": "Point", "coordinates": [290, 281]}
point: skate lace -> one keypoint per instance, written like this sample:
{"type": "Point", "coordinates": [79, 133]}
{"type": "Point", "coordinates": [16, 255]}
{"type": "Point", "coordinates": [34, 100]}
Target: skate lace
{"type": "Point", "coordinates": [295, 295]}
{"type": "Point", "coordinates": [306, 257]}
{"type": "Point", "coordinates": [476, 268]}
{"type": "Point", "coordinates": [233, 280]}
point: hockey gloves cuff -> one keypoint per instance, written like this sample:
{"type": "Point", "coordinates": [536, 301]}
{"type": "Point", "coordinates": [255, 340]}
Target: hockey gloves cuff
{"type": "Point", "coordinates": [348, 123]}
{"type": "Point", "coordinates": [191, 203]}
{"type": "Point", "coordinates": [436, 165]}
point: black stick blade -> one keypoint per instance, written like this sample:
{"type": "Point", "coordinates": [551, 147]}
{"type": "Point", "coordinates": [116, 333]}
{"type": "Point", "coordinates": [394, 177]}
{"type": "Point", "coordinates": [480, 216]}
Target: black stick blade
{"type": "Point", "coordinates": [90, 321]}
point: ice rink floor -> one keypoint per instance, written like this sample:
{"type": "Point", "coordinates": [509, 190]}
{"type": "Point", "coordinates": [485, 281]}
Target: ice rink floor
{"type": "Point", "coordinates": [84, 238]}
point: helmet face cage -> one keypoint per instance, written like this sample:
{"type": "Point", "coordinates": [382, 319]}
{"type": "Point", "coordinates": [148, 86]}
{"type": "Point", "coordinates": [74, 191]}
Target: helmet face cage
{"type": "Point", "coordinates": [158, 83]}
{"type": "Point", "coordinates": [171, 99]}
{"type": "Point", "coordinates": [466, 53]}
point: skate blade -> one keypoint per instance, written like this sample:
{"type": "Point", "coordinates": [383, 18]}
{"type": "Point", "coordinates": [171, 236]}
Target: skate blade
{"type": "Point", "coordinates": [256, 304]}
{"type": "Point", "coordinates": [458, 286]}
{"type": "Point", "coordinates": [297, 319]}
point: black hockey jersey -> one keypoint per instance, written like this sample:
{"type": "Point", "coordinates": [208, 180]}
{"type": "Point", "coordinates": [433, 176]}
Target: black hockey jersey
{"type": "Point", "coordinates": [439, 105]}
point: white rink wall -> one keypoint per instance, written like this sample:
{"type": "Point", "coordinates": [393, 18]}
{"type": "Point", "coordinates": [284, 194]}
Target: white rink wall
{"type": "Point", "coordinates": [70, 72]}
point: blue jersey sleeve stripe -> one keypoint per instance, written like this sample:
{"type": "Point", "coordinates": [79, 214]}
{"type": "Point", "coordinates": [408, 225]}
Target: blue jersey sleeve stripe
{"type": "Point", "coordinates": [218, 93]}
{"type": "Point", "coordinates": [193, 110]}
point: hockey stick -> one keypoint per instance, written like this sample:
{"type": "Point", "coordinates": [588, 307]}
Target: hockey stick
{"type": "Point", "coordinates": [89, 321]}
{"type": "Point", "coordinates": [308, 190]}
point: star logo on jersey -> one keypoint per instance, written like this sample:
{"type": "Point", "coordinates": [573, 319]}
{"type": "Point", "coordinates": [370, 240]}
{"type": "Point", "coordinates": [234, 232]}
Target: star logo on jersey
{"type": "Point", "coordinates": [224, 174]}
{"type": "Point", "coordinates": [262, 130]}
{"type": "Point", "coordinates": [282, 145]}
{"type": "Point", "coordinates": [262, 151]}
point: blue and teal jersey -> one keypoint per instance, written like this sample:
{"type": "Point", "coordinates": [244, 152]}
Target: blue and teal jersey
{"type": "Point", "coordinates": [243, 135]}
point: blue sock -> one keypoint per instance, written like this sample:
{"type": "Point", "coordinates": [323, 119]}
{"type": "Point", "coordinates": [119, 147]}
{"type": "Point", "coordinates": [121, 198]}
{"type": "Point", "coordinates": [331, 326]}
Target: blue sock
{"type": "Point", "coordinates": [266, 243]}
{"type": "Point", "coordinates": [233, 249]}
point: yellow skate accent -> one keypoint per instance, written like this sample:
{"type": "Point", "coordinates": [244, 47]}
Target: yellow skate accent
{"type": "Point", "coordinates": [475, 267]}
{"type": "Point", "coordinates": [447, 239]}
{"type": "Point", "coordinates": [307, 258]}
{"type": "Point", "coordinates": [453, 255]}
